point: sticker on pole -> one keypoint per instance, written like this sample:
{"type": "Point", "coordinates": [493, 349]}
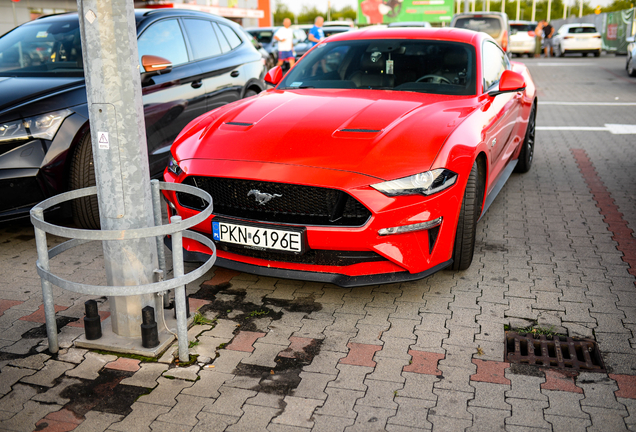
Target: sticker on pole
{"type": "Point", "coordinates": [102, 140]}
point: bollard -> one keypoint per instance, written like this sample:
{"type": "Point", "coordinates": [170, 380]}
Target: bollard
{"type": "Point", "coordinates": [92, 321]}
{"type": "Point", "coordinates": [149, 333]}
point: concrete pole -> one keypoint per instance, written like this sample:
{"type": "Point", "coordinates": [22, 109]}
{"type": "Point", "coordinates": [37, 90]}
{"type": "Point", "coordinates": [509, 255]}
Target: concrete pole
{"type": "Point", "coordinates": [549, 10]}
{"type": "Point", "coordinates": [503, 6]}
{"type": "Point", "coordinates": [466, 6]}
{"type": "Point", "coordinates": [565, 10]}
{"type": "Point", "coordinates": [15, 17]}
{"type": "Point", "coordinates": [580, 8]}
{"type": "Point", "coordinates": [120, 152]}
{"type": "Point", "coordinates": [518, 9]}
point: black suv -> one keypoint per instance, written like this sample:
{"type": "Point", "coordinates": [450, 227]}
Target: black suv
{"type": "Point", "coordinates": [45, 144]}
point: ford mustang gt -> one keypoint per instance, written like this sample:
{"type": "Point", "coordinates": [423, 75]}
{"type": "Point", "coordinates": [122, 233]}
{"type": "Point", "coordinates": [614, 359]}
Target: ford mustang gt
{"type": "Point", "coordinates": [371, 161]}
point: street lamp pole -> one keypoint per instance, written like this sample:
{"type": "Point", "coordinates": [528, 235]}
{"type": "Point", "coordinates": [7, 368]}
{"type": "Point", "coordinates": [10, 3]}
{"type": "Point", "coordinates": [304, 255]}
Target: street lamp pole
{"type": "Point", "coordinates": [120, 152]}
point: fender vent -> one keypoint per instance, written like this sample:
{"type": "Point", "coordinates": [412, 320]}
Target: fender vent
{"type": "Point", "coordinates": [361, 130]}
{"type": "Point", "coordinates": [553, 351]}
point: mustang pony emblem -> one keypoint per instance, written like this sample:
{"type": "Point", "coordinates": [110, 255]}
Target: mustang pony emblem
{"type": "Point", "coordinates": [261, 197]}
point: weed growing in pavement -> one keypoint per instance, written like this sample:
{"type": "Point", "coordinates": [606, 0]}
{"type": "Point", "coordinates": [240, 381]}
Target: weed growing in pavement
{"type": "Point", "coordinates": [257, 313]}
{"type": "Point", "coordinates": [534, 330]}
{"type": "Point", "coordinates": [130, 356]}
{"type": "Point", "coordinates": [199, 319]}
{"type": "Point", "coordinates": [193, 344]}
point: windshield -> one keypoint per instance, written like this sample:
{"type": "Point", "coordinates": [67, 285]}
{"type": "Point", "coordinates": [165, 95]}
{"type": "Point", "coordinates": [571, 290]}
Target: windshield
{"type": "Point", "coordinates": [262, 36]}
{"type": "Point", "coordinates": [488, 25]}
{"type": "Point", "coordinates": [405, 65]}
{"type": "Point", "coordinates": [42, 48]}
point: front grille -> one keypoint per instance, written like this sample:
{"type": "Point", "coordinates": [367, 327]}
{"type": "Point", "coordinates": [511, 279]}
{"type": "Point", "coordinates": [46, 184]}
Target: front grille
{"type": "Point", "coordinates": [312, 256]}
{"type": "Point", "coordinates": [297, 204]}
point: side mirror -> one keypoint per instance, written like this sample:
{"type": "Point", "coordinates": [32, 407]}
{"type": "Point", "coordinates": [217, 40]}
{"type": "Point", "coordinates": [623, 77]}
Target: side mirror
{"type": "Point", "coordinates": [274, 76]}
{"type": "Point", "coordinates": [155, 65]}
{"type": "Point", "coordinates": [509, 82]}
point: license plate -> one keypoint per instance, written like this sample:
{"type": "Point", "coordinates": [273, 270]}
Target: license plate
{"type": "Point", "coordinates": [259, 236]}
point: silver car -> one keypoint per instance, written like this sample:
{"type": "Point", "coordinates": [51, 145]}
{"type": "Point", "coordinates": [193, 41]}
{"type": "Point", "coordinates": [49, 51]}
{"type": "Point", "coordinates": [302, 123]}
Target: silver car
{"type": "Point", "coordinates": [495, 24]}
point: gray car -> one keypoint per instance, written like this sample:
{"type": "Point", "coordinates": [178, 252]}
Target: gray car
{"type": "Point", "coordinates": [495, 24]}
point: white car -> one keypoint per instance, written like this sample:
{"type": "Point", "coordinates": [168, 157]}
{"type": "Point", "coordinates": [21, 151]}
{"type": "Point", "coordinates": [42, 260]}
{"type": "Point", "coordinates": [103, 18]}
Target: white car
{"type": "Point", "coordinates": [577, 38]}
{"type": "Point", "coordinates": [522, 37]}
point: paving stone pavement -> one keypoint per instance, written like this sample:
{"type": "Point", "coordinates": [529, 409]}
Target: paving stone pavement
{"type": "Point", "coordinates": [556, 252]}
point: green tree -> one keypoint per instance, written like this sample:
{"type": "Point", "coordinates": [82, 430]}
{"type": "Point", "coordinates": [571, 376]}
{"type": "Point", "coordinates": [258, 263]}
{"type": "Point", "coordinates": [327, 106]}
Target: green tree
{"type": "Point", "coordinates": [346, 13]}
{"type": "Point", "coordinates": [618, 5]}
{"type": "Point", "coordinates": [307, 15]}
{"type": "Point", "coordinates": [281, 12]}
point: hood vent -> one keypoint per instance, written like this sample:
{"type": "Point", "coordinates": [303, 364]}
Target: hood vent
{"type": "Point", "coordinates": [239, 124]}
{"type": "Point", "coordinates": [361, 130]}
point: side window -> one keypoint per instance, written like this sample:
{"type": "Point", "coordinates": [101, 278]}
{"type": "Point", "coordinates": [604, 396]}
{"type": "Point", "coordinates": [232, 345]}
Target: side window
{"type": "Point", "coordinates": [494, 62]}
{"type": "Point", "coordinates": [202, 38]}
{"type": "Point", "coordinates": [225, 46]}
{"type": "Point", "coordinates": [231, 37]}
{"type": "Point", "coordinates": [164, 39]}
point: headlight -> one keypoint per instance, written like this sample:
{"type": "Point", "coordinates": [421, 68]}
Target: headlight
{"type": "Point", "coordinates": [173, 166]}
{"type": "Point", "coordinates": [426, 183]}
{"type": "Point", "coordinates": [44, 126]}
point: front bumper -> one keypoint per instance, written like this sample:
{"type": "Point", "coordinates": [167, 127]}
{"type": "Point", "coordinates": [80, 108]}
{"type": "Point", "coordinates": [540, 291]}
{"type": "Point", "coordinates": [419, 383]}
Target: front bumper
{"type": "Point", "coordinates": [406, 256]}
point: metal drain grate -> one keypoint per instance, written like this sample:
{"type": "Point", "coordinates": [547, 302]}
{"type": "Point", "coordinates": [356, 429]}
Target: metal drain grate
{"type": "Point", "coordinates": [555, 351]}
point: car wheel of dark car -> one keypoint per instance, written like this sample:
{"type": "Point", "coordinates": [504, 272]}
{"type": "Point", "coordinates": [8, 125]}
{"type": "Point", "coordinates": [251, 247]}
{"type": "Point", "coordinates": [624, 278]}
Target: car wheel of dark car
{"type": "Point", "coordinates": [82, 175]}
{"type": "Point", "coordinates": [527, 151]}
{"type": "Point", "coordinates": [250, 93]}
{"type": "Point", "coordinates": [597, 53]}
{"type": "Point", "coordinates": [630, 68]}
{"type": "Point", "coordinates": [467, 223]}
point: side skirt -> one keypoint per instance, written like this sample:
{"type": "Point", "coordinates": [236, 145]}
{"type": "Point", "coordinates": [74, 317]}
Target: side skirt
{"type": "Point", "coordinates": [505, 175]}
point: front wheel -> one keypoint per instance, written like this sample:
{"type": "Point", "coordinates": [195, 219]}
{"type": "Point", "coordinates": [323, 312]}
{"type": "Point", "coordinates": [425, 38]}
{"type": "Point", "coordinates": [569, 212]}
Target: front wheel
{"type": "Point", "coordinates": [82, 175]}
{"type": "Point", "coordinates": [597, 53]}
{"type": "Point", "coordinates": [527, 151]}
{"type": "Point", "coordinates": [630, 68]}
{"type": "Point", "coordinates": [467, 224]}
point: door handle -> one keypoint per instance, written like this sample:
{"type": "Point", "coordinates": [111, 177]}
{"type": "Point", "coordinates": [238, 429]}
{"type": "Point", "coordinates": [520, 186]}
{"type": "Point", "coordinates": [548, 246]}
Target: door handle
{"type": "Point", "coordinates": [196, 84]}
{"type": "Point", "coordinates": [234, 74]}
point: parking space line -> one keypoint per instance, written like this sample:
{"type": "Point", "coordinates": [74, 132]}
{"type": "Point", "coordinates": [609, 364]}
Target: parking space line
{"type": "Point", "coordinates": [587, 103]}
{"type": "Point", "coordinates": [615, 129]}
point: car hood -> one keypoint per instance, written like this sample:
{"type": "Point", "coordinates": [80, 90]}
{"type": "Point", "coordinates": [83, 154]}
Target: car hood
{"type": "Point", "coordinates": [26, 96]}
{"type": "Point", "coordinates": [383, 134]}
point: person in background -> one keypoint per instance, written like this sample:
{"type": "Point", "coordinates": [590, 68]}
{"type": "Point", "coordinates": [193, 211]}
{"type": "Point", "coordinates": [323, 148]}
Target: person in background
{"type": "Point", "coordinates": [538, 35]}
{"type": "Point", "coordinates": [285, 38]}
{"type": "Point", "coordinates": [316, 34]}
{"type": "Point", "coordinates": [548, 32]}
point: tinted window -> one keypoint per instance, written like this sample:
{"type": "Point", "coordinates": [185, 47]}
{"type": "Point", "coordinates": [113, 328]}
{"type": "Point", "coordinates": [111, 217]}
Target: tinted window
{"type": "Point", "coordinates": [202, 38]}
{"type": "Point", "coordinates": [488, 25]}
{"type": "Point", "coordinates": [495, 62]}
{"type": "Point", "coordinates": [225, 46]}
{"type": "Point", "coordinates": [522, 27]}
{"type": "Point", "coordinates": [402, 65]}
{"type": "Point", "coordinates": [231, 37]}
{"type": "Point", "coordinates": [164, 39]}
{"type": "Point", "coordinates": [582, 30]}
{"type": "Point", "coordinates": [42, 48]}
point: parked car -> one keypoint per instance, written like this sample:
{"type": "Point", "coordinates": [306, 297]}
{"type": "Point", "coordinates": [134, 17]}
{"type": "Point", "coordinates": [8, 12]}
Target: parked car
{"type": "Point", "coordinates": [630, 66]}
{"type": "Point", "coordinates": [410, 24]}
{"type": "Point", "coordinates": [495, 24]}
{"type": "Point", "coordinates": [348, 189]}
{"type": "Point", "coordinates": [577, 38]}
{"type": "Point", "coordinates": [44, 129]}
{"type": "Point", "coordinates": [522, 37]}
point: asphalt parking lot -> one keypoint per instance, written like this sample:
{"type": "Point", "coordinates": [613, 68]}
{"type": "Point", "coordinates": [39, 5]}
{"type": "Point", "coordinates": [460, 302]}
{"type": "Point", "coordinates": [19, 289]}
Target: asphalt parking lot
{"type": "Point", "coordinates": [555, 253]}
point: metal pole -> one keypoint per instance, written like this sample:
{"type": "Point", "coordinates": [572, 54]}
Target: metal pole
{"type": "Point", "coordinates": [161, 253]}
{"type": "Point", "coordinates": [565, 10]}
{"type": "Point", "coordinates": [120, 152]}
{"type": "Point", "coordinates": [534, 10]}
{"type": "Point", "coordinates": [580, 8]}
{"type": "Point", "coordinates": [518, 9]}
{"type": "Point", "coordinates": [549, 10]}
{"type": "Point", "coordinates": [47, 294]}
{"type": "Point", "coordinates": [15, 17]}
{"type": "Point", "coordinates": [179, 293]}
{"type": "Point", "coordinates": [503, 6]}
{"type": "Point", "coordinates": [466, 6]}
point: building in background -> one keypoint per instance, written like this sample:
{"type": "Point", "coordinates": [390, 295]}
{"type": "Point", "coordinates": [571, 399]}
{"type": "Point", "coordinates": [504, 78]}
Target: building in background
{"type": "Point", "coordinates": [249, 13]}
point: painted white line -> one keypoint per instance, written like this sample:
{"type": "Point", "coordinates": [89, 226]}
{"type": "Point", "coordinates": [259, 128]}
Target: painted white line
{"type": "Point", "coordinates": [562, 64]}
{"type": "Point", "coordinates": [616, 129]}
{"type": "Point", "coordinates": [587, 103]}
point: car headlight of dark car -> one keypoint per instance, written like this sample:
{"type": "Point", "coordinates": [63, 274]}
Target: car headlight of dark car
{"type": "Point", "coordinates": [43, 126]}
{"type": "Point", "coordinates": [173, 166]}
{"type": "Point", "coordinates": [426, 183]}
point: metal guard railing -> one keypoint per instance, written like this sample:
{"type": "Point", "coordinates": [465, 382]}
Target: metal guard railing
{"type": "Point", "coordinates": [176, 229]}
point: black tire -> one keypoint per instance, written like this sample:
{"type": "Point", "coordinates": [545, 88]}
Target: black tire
{"type": "Point", "coordinates": [82, 174]}
{"type": "Point", "coordinates": [558, 51]}
{"type": "Point", "coordinates": [464, 247]}
{"type": "Point", "coordinates": [630, 68]}
{"type": "Point", "coordinates": [597, 53]}
{"type": "Point", "coordinates": [526, 155]}
{"type": "Point", "coordinates": [250, 93]}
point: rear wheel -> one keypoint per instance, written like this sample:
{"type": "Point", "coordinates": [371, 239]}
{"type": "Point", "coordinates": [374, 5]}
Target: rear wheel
{"type": "Point", "coordinates": [82, 175]}
{"type": "Point", "coordinates": [558, 51]}
{"type": "Point", "coordinates": [467, 224]}
{"type": "Point", "coordinates": [597, 53]}
{"type": "Point", "coordinates": [250, 93]}
{"type": "Point", "coordinates": [527, 151]}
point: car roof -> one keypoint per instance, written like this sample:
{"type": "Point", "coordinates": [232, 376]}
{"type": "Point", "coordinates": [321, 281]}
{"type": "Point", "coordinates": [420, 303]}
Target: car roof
{"type": "Point", "coordinates": [451, 34]}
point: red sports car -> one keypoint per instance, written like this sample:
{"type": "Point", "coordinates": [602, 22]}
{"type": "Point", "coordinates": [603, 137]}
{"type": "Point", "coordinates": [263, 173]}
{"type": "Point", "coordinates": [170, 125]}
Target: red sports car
{"type": "Point", "coordinates": [370, 162]}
